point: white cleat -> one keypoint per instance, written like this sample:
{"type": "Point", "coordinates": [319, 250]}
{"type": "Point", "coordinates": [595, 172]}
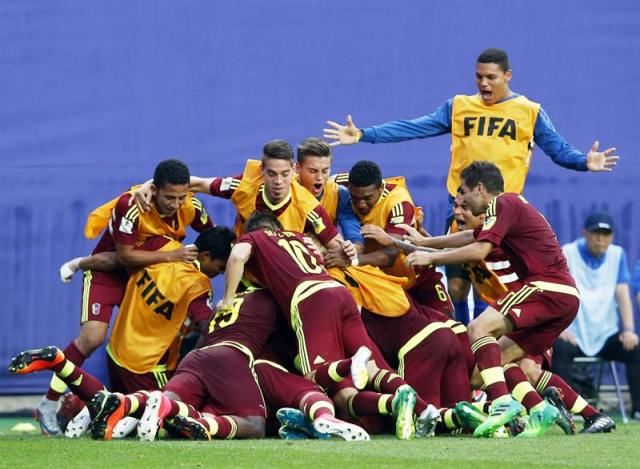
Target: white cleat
{"type": "Point", "coordinates": [46, 416]}
{"type": "Point", "coordinates": [68, 269]}
{"type": "Point", "coordinates": [346, 431]}
{"type": "Point", "coordinates": [79, 424]}
{"type": "Point", "coordinates": [359, 372]}
{"type": "Point", "coordinates": [125, 426]}
{"type": "Point", "coordinates": [427, 421]}
{"type": "Point", "coordinates": [154, 411]}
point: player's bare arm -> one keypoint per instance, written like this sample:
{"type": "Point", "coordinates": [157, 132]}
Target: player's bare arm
{"type": "Point", "coordinates": [200, 185]}
{"type": "Point", "coordinates": [475, 252]}
{"type": "Point", "coordinates": [342, 134]}
{"type": "Point", "coordinates": [134, 258]}
{"type": "Point", "coordinates": [601, 161]}
{"type": "Point", "coordinates": [103, 262]}
{"type": "Point", "coordinates": [234, 270]}
{"type": "Point", "coordinates": [454, 240]}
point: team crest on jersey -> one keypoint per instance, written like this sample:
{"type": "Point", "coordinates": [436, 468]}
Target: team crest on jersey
{"type": "Point", "coordinates": [95, 309]}
{"type": "Point", "coordinates": [488, 223]}
{"type": "Point", "coordinates": [126, 226]}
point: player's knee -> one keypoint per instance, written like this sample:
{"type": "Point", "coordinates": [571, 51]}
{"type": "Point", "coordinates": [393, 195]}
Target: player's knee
{"type": "Point", "coordinates": [341, 399]}
{"type": "Point", "coordinates": [531, 369]}
{"type": "Point", "coordinates": [250, 427]}
{"type": "Point", "coordinates": [458, 288]}
{"type": "Point", "coordinates": [90, 339]}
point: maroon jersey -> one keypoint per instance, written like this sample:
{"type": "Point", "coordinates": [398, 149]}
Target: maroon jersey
{"type": "Point", "coordinates": [253, 318]}
{"type": "Point", "coordinates": [124, 220]}
{"type": "Point", "coordinates": [281, 261]}
{"type": "Point", "coordinates": [526, 239]}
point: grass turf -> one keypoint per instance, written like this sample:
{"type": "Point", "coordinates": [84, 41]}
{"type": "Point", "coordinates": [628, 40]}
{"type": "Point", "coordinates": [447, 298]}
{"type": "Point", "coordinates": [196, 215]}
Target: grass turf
{"type": "Point", "coordinates": [616, 450]}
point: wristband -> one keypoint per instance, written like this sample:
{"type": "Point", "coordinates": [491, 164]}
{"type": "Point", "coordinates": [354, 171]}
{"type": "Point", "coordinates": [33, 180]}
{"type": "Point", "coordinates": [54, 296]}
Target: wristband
{"type": "Point", "coordinates": [355, 262]}
{"type": "Point", "coordinates": [360, 135]}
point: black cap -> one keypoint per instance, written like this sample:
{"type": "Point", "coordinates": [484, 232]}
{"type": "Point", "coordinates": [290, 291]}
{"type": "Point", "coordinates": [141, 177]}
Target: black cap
{"type": "Point", "coordinates": [599, 221]}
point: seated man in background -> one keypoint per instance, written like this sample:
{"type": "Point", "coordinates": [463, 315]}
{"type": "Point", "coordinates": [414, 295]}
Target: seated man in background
{"type": "Point", "coordinates": [602, 276]}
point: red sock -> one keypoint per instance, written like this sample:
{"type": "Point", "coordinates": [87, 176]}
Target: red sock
{"type": "Point", "coordinates": [572, 400]}
{"type": "Point", "coordinates": [183, 409]}
{"type": "Point", "coordinates": [448, 421]}
{"type": "Point", "coordinates": [316, 405]}
{"type": "Point", "coordinates": [134, 403]}
{"type": "Point", "coordinates": [488, 358]}
{"type": "Point", "coordinates": [81, 383]}
{"type": "Point", "coordinates": [387, 382]}
{"type": "Point", "coordinates": [220, 427]}
{"type": "Point", "coordinates": [369, 403]}
{"type": "Point", "coordinates": [520, 386]}
{"type": "Point", "coordinates": [72, 353]}
{"type": "Point", "coordinates": [331, 373]}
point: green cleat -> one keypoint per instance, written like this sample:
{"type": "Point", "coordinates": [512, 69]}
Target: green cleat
{"type": "Point", "coordinates": [553, 396]}
{"type": "Point", "coordinates": [501, 412]}
{"type": "Point", "coordinates": [540, 421]}
{"type": "Point", "coordinates": [404, 401]}
{"type": "Point", "coordinates": [468, 415]}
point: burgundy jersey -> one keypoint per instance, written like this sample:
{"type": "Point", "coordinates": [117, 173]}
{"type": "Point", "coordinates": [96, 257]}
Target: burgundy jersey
{"type": "Point", "coordinates": [281, 261]}
{"type": "Point", "coordinates": [526, 239]}
{"type": "Point", "coordinates": [253, 318]}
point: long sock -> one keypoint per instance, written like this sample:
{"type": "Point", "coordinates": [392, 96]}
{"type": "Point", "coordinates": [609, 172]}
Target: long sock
{"type": "Point", "coordinates": [81, 383]}
{"type": "Point", "coordinates": [316, 405]}
{"type": "Point", "coordinates": [183, 409]}
{"type": "Point", "coordinates": [220, 427]}
{"type": "Point", "coordinates": [387, 382]}
{"type": "Point", "coordinates": [134, 403]}
{"type": "Point", "coordinates": [486, 352]}
{"type": "Point", "coordinates": [520, 386]}
{"type": "Point", "coordinates": [331, 373]}
{"type": "Point", "coordinates": [57, 386]}
{"type": "Point", "coordinates": [572, 400]}
{"type": "Point", "coordinates": [462, 311]}
{"type": "Point", "coordinates": [448, 421]}
{"type": "Point", "coordinates": [369, 403]}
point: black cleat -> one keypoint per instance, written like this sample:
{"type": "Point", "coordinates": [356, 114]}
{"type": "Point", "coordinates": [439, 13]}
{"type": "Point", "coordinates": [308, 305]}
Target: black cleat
{"type": "Point", "coordinates": [106, 409]}
{"type": "Point", "coordinates": [554, 396]}
{"type": "Point", "coordinates": [190, 428]}
{"type": "Point", "coordinates": [598, 423]}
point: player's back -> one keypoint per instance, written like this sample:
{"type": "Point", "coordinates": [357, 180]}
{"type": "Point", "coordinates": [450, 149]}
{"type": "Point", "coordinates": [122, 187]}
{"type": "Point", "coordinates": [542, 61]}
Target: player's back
{"type": "Point", "coordinates": [281, 261]}
{"type": "Point", "coordinates": [250, 322]}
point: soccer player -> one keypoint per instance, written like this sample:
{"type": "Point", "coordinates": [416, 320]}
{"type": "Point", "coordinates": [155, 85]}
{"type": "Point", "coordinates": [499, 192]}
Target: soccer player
{"type": "Point", "coordinates": [496, 124]}
{"type": "Point", "coordinates": [526, 321]}
{"type": "Point", "coordinates": [172, 209]}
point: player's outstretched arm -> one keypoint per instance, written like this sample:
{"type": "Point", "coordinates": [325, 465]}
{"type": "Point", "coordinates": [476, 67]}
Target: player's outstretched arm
{"type": "Point", "coordinates": [200, 185]}
{"type": "Point", "coordinates": [134, 258]}
{"type": "Point", "coordinates": [342, 134]}
{"type": "Point", "coordinates": [240, 254]}
{"type": "Point", "coordinates": [471, 253]}
{"type": "Point", "coordinates": [455, 240]}
{"type": "Point", "coordinates": [601, 161]}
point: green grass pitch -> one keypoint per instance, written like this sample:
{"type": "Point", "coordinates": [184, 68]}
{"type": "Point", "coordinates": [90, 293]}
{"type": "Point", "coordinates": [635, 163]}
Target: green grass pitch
{"type": "Point", "coordinates": [620, 449]}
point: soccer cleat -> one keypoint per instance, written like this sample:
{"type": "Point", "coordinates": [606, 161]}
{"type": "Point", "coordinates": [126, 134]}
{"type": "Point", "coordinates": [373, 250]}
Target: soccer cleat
{"type": "Point", "coordinates": [124, 427]}
{"type": "Point", "coordinates": [30, 361]}
{"type": "Point", "coordinates": [359, 372]}
{"type": "Point", "coordinates": [403, 403]}
{"type": "Point", "coordinates": [553, 396]}
{"type": "Point", "coordinates": [468, 415]}
{"type": "Point", "coordinates": [427, 421]}
{"type": "Point", "coordinates": [156, 409]}
{"type": "Point", "coordinates": [70, 406]}
{"type": "Point", "coordinates": [190, 428]}
{"type": "Point", "coordinates": [294, 418]}
{"type": "Point", "coordinates": [45, 414]}
{"type": "Point", "coordinates": [501, 412]}
{"type": "Point", "coordinates": [540, 421]}
{"type": "Point", "coordinates": [107, 409]}
{"type": "Point", "coordinates": [598, 423]}
{"type": "Point", "coordinates": [347, 431]}
{"type": "Point", "coordinates": [288, 433]}
{"type": "Point", "coordinates": [79, 424]}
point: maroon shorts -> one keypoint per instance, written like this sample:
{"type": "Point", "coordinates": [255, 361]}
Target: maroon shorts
{"type": "Point", "coordinates": [100, 293]}
{"type": "Point", "coordinates": [539, 316]}
{"type": "Point", "coordinates": [218, 379]}
{"type": "Point", "coordinates": [281, 388]}
{"type": "Point", "coordinates": [127, 382]}
{"type": "Point", "coordinates": [329, 328]}
{"type": "Point", "coordinates": [431, 292]}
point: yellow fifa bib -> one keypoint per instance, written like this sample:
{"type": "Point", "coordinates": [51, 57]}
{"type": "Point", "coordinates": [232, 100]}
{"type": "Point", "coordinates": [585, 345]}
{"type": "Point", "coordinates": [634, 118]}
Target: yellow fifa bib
{"type": "Point", "coordinates": [153, 312]}
{"type": "Point", "coordinates": [293, 218]}
{"type": "Point", "coordinates": [501, 133]}
{"type": "Point", "coordinates": [329, 200]}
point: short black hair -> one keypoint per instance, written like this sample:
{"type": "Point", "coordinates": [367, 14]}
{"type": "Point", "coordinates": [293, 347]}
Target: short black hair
{"type": "Point", "coordinates": [484, 172]}
{"type": "Point", "coordinates": [170, 172]}
{"type": "Point", "coordinates": [277, 149]}
{"type": "Point", "coordinates": [261, 220]}
{"type": "Point", "coordinates": [312, 146]}
{"type": "Point", "coordinates": [216, 241]}
{"type": "Point", "coordinates": [365, 173]}
{"type": "Point", "coordinates": [495, 56]}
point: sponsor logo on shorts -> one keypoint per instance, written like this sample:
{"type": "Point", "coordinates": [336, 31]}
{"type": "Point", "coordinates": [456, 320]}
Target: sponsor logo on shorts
{"type": "Point", "coordinates": [95, 309]}
{"type": "Point", "coordinates": [516, 311]}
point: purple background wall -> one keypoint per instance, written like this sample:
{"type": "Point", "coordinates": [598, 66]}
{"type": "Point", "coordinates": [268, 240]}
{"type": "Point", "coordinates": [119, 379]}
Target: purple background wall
{"type": "Point", "coordinates": [95, 93]}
